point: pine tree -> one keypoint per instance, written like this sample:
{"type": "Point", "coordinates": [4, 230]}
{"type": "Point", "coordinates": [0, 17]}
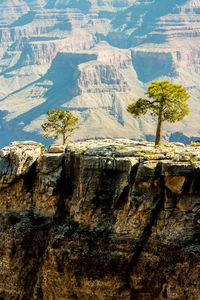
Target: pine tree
{"type": "Point", "coordinates": [165, 100]}
{"type": "Point", "coordinates": [60, 122]}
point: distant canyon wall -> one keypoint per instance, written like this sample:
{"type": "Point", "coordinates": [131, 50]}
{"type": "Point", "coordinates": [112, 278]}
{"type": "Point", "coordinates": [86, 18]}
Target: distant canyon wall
{"type": "Point", "coordinates": [94, 57]}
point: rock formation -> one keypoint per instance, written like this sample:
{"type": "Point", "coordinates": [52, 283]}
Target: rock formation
{"type": "Point", "coordinates": [95, 57]}
{"type": "Point", "coordinates": [113, 219]}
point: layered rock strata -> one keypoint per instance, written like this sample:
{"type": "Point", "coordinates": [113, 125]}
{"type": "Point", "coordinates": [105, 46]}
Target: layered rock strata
{"type": "Point", "coordinates": [110, 219]}
{"type": "Point", "coordinates": [43, 65]}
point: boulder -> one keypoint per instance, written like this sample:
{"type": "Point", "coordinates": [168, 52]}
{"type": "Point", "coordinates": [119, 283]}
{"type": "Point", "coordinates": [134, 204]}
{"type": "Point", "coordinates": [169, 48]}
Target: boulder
{"type": "Point", "coordinates": [56, 148]}
{"type": "Point", "coordinates": [17, 160]}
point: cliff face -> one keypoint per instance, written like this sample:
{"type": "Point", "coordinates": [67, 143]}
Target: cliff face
{"type": "Point", "coordinates": [128, 44]}
{"type": "Point", "coordinates": [106, 220]}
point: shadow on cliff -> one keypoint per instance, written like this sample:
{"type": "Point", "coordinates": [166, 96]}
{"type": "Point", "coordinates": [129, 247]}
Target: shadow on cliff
{"type": "Point", "coordinates": [161, 63]}
{"type": "Point", "coordinates": [83, 5]}
{"type": "Point", "coordinates": [10, 133]}
{"type": "Point", "coordinates": [156, 9]}
{"type": "Point", "coordinates": [63, 75]}
{"type": "Point", "coordinates": [29, 18]}
{"type": "Point", "coordinates": [142, 16]}
{"type": "Point", "coordinates": [175, 137]}
{"type": "Point", "coordinates": [180, 137]}
{"type": "Point", "coordinates": [61, 82]}
{"type": "Point", "coordinates": [24, 19]}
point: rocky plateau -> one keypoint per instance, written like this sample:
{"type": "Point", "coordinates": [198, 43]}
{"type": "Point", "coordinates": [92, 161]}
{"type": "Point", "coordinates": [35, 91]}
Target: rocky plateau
{"type": "Point", "coordinates": [102, 220]}
{"type": "Point", "coordinates": [94, 57]}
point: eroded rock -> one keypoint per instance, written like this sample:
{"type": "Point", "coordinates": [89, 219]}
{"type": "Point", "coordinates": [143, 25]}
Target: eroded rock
{"type": "Point", "coordinates": [17, 160]}
{"type": "Point", "coordinates": [104, 220]}
{"type": "Point", "coordinates": [175, 183]}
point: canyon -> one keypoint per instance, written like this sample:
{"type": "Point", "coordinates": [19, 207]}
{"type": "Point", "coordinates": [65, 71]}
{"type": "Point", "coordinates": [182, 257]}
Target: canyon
{"type": "Point", "coordinates": [109, 219]}
{"type": "Point", "coordinates": [93, 58]}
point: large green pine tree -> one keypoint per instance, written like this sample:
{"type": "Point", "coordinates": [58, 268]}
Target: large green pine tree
{"type": "Point", "coordinates": [165, 100]}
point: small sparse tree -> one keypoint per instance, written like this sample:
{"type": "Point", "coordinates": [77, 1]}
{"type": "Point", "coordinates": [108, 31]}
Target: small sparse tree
{"type": "Point", "coordinates": [165, 100]}
{"type": "Point", "coordinates": [60, 122]}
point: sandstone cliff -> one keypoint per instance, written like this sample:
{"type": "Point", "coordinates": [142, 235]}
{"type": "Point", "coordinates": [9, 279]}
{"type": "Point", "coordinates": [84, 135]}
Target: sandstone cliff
{"type": "Point", "coordinates": [113, 219]}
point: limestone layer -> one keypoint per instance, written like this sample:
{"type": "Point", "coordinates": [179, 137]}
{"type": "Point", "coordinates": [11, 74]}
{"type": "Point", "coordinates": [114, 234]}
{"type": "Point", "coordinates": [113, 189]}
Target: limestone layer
{"type": "Point", "coordinates": [110, 219]}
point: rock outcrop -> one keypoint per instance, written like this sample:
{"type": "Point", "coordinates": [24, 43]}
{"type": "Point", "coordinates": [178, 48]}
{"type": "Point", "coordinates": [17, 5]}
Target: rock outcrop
{"type": "Point", "coordinates": [110, 219]}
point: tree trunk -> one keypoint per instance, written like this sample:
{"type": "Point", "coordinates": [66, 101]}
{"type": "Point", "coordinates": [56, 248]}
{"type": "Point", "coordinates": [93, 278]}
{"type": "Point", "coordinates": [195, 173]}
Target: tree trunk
{"type": "Point", "coordinates": [64, 138]}
{"type": "Point", "coordinates": [159, 130]}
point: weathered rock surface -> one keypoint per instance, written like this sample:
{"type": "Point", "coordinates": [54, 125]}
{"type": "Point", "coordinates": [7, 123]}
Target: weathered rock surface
{"type": "Point", "coordinates": [110, 219]}
{"type": "Point", "coordinates": [17, 160]}
{"type": "Point", "coordinates": [94, 57]}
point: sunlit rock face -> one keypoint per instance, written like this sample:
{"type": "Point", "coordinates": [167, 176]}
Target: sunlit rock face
{"type": "Point", "coordinates": [94, 57]}
{"type": "Point", "coordinates": [109, 219]}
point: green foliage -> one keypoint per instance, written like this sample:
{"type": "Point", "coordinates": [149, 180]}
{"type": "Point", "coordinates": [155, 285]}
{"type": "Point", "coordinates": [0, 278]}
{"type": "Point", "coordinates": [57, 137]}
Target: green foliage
{"type": "Point", "coordinates": [165, 100]}
{"type": "Point", "coordinates": [195, 144]}
{"type": "Point", "coordinates": [60, 122]}
{"type": "Point", "coordinates": [145, 152]}
{"type": "Point", "coordinates": [193, 159]}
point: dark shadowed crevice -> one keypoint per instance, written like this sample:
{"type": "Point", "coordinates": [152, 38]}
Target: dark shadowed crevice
{"type": "Point", "coordinates": [126, 191]}
{"type": "Point", "coordinates": [147, 232]}
{"type": "Point", "coordinates": [64, 189]}
{"type": "Point", "coordinates": [29, 179]}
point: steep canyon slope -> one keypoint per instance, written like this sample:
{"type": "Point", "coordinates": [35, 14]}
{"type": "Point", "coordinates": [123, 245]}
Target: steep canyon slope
{"type": "Point", "coordinates": [94, 57]}
{"type": "Point", "coordinates": [105, 220]}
